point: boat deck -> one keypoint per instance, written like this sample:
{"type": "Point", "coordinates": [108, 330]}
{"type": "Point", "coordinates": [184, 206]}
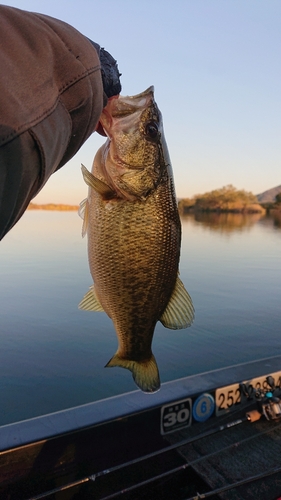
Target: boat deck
{"type": "Point", "coordinates": [190, 440]}
{"type": "Point", "coordinates": [244, 454]}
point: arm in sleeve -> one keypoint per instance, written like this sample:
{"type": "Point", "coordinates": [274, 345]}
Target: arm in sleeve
{"type": "Point", "coordinates": [54, 83]}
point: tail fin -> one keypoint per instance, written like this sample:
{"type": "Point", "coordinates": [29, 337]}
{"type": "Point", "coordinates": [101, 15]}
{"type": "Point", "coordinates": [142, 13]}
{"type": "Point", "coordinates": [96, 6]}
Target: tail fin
{"type": "Point", "coordinates": [145, 373]}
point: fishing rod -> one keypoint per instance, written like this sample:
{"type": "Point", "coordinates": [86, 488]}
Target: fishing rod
{"type": "Point", "coordinates": [267, 405]}
{"type": "Point", "coordinates": [229, 487]}
{"type": "Point", "coordinates": [208, 494]}
{"type": "Point", "coordinates": [196, 462]}
{"type": "Point", "coordinates": [153, 454]}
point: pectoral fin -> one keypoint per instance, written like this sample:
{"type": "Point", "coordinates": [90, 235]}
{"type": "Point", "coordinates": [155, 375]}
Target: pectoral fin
{"type": "Point", "coordinates": [99, 186]}
{"type": "Point", "coordinates": [90, 302]}
{"type": "Point", "coordinates": [179, 312]}
{"type": "Point", "coordinates": [84, 214]}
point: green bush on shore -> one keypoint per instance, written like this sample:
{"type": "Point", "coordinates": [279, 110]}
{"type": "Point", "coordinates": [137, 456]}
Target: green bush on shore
{"type": "Point", "coordinates": [225, 199]}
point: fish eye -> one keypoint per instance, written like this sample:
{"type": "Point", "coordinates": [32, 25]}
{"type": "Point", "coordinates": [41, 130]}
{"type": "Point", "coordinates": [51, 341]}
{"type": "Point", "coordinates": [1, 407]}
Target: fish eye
{"type": "Point", "coordinates": [151, 130]}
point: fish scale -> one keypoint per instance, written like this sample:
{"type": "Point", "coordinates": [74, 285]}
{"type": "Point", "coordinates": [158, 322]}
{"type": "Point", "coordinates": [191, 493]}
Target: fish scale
{"type": "Point", "coordinates": [136, 260]}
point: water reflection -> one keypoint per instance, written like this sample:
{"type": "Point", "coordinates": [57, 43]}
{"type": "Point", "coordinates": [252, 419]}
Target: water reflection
{"type": "Point", "coordinates": [276, 215]}
{"type": "Point", "coordinates": [224, 222]}
{"type": "Point", "coordinates": [52, 354]}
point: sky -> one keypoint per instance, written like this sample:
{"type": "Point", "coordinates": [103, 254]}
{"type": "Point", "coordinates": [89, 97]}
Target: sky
{"type": "Point", "coordinates": [216, 69]}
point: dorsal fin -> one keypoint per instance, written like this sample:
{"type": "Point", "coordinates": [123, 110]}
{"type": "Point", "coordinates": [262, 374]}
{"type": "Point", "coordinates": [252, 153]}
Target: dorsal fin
{"type": "Point", "coordinates": [179, 312]}
{"type": "Point", "coordinates": [90, 302]}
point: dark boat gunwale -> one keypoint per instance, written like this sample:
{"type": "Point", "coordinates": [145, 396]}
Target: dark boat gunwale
{"type": "Point", "coordinates": [100, 412]}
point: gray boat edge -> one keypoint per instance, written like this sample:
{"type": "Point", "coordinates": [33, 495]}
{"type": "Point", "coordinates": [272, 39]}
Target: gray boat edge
{"type": "Point", "coordinates": [99, 412]}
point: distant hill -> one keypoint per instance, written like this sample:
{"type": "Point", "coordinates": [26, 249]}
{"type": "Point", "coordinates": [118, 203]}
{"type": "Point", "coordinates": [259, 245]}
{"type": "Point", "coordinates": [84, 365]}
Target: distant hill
{"type": "Point", "coordinates": [269, 195]}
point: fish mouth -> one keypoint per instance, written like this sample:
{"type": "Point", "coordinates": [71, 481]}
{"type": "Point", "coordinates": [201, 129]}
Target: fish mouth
{"type": "Point", "coordinates": [122, 107]}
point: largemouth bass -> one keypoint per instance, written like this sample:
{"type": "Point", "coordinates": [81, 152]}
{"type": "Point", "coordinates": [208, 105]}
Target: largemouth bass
{"type": "Point", "coordinates": [134, 234]}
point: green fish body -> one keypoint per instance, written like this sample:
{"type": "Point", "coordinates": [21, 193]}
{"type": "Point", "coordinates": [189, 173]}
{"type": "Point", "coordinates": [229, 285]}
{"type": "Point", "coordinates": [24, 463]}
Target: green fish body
{"type": "Point", "coordinates": [134, 235]}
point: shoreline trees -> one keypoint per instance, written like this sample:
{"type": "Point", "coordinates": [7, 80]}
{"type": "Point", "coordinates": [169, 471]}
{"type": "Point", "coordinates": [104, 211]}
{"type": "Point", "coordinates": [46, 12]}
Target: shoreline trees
{"type": "Point", "coordinates": [225, 199]}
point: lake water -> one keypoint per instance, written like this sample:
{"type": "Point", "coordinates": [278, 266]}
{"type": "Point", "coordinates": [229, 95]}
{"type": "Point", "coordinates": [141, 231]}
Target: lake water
{"type": "Point", "coordinates": [53, 355]}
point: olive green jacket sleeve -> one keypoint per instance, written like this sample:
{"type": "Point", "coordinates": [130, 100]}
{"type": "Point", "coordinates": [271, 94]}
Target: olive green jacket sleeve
{"type": "Point", "coordinates": [51, 97]}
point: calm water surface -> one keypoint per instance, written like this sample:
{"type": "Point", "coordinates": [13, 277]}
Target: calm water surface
{"type": "Point", "coordinates": [53, 355]}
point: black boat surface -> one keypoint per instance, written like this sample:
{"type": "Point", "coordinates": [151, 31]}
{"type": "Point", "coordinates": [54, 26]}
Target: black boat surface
{"type": "Point", "coordinates": [213, 435]}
